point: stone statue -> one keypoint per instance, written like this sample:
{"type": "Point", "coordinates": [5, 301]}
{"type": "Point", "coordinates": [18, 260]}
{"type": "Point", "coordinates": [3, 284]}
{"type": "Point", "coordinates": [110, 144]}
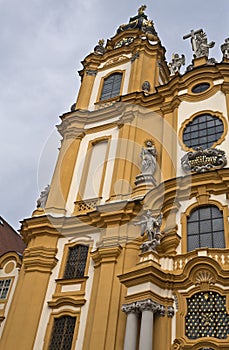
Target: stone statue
{"type": "Point", "coordinates": [140, 21]}
{"type": "Point", "coordinates": [148, 156]}
{"type": "Point", "coordinates": [176, 63]}
{"type": "Point", "coordinates": [141, 10]}
{"type": "Point", "coordinates": [225, 48]}
{"type": "Point", "coordinates": [146, 86]}
{"type": "Point", "coordinates": [151, 226]}
{"type": "Point", "coordinates": [43, 197]}
{"type": "Point", "coordinates": [99, 48]}
{"type": "Point", "coordinates": [199, 42]}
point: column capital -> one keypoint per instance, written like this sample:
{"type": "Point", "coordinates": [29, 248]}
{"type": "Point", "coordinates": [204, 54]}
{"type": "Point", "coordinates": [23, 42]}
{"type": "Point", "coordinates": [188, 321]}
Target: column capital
{"type": "Point", "coordinates": [130, 308]}
{"type": "Point", "coordinates": [148, 305]}
{"type": "Point", "coordinates": [170, 311]}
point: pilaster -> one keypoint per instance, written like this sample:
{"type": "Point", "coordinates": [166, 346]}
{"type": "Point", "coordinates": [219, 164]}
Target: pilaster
{"type": "Point", "coordinates": [38, 262]}
{"type": "Point", "coordinates": [169, 142]}
{"type": "Point", "coordinates": [97, 329]}
{"type": "Point", "coordinates": [72, 131]}
{"type": "Point", "coordinates": [86, 88]}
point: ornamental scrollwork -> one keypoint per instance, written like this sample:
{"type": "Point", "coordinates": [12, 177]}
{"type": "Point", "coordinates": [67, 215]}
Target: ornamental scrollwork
{"type": "Point", "coordinates": [124, 42]}
{"type": "Point", "coordinates": [203, 160]}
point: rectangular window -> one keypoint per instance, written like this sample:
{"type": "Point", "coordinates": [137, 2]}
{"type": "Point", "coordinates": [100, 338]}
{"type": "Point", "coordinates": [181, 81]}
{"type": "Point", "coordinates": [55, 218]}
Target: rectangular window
{"type": "Point", "coordinates": [62, 333]}
{"type": "Point", "coordinates": [95, 170]}
{"type": "Point", "coordinates": [76, 262]}
{"type": "Point", "coordinates": [4, 288]}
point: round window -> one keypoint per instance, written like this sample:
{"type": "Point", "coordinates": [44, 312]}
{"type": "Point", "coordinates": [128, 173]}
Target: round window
{"type": "Point", "coordinates": [203, 131]}
{"type": "Point", "coordinates": [200, 88]}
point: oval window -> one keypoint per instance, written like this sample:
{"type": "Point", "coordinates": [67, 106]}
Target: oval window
{"type": "Point", "coordinates": [200, 88]}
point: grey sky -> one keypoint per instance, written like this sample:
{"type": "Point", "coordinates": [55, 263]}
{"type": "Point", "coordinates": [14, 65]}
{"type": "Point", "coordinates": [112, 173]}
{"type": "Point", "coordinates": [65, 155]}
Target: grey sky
{"type": "Point", "coordinates": [42, 43]}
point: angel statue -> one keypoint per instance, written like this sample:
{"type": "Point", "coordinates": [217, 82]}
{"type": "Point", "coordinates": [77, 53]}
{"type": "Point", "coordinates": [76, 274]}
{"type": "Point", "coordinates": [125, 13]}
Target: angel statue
{"type": "Point", "coordinates": [176, 63]}
{"type": "Point", "coordinates": [151, 226]}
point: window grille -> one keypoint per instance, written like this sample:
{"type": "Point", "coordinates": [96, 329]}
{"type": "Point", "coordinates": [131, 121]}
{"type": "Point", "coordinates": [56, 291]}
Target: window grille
{"type": "Point", "coordinates": [207, 316]}
{"type": "Point", "coordinates": [205, 228]}
{"type": "Point", "coordinates": [4, 288]}
{"type": "Point", "coordinates": [62, 333]}
{"type": "Point", "coordinates": [76, 262]}
{"type": "Point", "coordinates": [111, 86]}
{"type": "Point", "coordinates": [203, 131]}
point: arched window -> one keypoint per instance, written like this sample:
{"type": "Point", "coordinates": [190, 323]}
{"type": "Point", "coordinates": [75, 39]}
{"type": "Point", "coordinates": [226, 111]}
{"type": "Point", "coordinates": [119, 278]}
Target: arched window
{"type": "Point", "coordinates": [111, 86]}
{"type": "Point", "coordinates": [205, 228]}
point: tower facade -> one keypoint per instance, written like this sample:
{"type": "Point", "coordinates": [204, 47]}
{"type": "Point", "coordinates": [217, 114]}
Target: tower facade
{"type": "Point", "coordinates": [128, 247]}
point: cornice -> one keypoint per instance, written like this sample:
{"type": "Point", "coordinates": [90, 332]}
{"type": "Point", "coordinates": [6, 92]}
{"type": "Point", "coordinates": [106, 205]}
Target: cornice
{"type": "Point", "coordinates": [66, 301]}
{"type": "Point", "coordinates": [40, 259]}
{"type": "Point", "coordinates": [149, 294]}
{"type": "Point", "coordinates": [77, 123]}
{"type": "Point", "coordinates": [180, 83]}
{"type": "Point", "coordinates": [41, 226]}
{"type": "Point", "coordinates": [177, 279]}
{"type": "Point", "coordinates": [141, 42]}
{"type": "Point", "coordinates": [183, 188]}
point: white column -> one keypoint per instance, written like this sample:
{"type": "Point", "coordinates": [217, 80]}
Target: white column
{"type": "Point", "coordinates": [148, 308]}
{"type": "Point", "coordinates": [130, 342]}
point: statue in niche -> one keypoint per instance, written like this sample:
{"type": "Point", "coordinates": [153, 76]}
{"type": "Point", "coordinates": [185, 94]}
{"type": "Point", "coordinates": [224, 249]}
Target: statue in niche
{"type": "Point", "coordinates": [148, 155]}
{"type": "Point", "coordinates": [43, 197]}
{"type": "Point", "coordinates": [146, 86]}
{"type": "Point", "coordinates": [225, 48]}
{"type": "Point", "coordinates": [151, 226]}
{"type": "Point", "coordinates": [199, 42]}
{"type": "Point", "coordinates": [176, 63]}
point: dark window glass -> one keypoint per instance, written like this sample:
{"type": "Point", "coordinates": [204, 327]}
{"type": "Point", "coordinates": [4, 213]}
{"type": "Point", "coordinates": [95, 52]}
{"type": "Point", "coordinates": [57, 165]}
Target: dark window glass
{"type": "Point", "coordinates": [203, 131]}
{"type": "Point", "coordinates": [4, 288]}
{"type": "Point", "coordinates": [205, 228]}
{"type": "Point", "coordinates": [62, 333]}
{"type": "Point", "coordinates": [200, 88]}
{"type": "Point", "coordinates": [207, 316]}
{"type": "Point", "coordinates": [76, 262]}
{"type": "Point", "coordinates": [111, 86]}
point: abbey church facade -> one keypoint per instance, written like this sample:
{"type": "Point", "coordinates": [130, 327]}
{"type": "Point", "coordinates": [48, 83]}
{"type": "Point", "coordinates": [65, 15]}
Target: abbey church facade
{"type": "Point", "coordinates": [128, 248]}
